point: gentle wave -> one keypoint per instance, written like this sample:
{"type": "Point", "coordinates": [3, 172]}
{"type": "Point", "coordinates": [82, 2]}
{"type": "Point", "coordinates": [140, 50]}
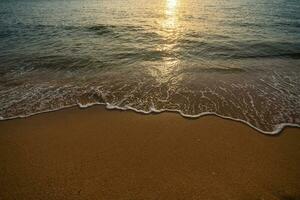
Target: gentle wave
{"type": "Point", "coordinates": [187, 45]}
{"type": "Point", "coordinates": [280, 127]}
{"type": "Point", "coordinates": [268, 108]}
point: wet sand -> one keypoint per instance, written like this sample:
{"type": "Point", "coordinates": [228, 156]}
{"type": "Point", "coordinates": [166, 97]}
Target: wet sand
{"type": "Point", "coordinates": [94, 153]}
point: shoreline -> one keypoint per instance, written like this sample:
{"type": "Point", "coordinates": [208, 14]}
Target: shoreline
{"type": "Point", "coordinates": [95, 153]}
{"type": "Point", "coordinates": [107, 106]}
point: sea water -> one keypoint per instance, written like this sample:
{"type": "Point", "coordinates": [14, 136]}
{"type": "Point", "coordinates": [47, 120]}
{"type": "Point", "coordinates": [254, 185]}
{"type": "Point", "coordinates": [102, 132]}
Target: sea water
{"type": "Point", "coordinates": [238, 59]}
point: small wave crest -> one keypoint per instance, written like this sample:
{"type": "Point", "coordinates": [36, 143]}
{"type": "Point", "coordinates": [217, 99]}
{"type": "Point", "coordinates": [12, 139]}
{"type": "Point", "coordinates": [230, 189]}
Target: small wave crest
{"type": "Point", "coordinates": [266, 104]}
{"type": "Point", "coordinates": [277, 130]}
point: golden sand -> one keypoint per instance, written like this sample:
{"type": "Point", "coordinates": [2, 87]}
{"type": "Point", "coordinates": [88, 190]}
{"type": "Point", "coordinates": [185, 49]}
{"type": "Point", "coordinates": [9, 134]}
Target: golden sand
{"type": "Point", "coordinates": [98, 154]}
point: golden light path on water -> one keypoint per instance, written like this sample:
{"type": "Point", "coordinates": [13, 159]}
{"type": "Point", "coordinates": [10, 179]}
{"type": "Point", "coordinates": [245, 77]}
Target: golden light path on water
{"type": "Point", "coordinates": [170, 32]}
{"type": "Point", "coordinates": [171, 14]}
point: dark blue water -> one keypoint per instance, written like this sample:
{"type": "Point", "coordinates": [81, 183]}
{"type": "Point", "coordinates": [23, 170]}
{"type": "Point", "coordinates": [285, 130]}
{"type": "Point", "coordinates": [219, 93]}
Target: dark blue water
{"type": "Point", "coordinates": [237, 58]}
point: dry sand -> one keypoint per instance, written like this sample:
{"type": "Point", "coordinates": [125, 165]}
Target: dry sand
{"type": "Point", "coordinates": [99, 154]}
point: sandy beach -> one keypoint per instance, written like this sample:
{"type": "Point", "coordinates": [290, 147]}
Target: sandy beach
{"type": "Point", "coordinates": [96, 153]}
{"type": "Point", "coordinates": [118, 60]}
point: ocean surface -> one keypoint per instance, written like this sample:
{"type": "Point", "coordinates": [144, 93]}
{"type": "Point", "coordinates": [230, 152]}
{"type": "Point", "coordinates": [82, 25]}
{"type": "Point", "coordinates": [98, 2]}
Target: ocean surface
{"type": "Point", "coordinates": [238, 59]}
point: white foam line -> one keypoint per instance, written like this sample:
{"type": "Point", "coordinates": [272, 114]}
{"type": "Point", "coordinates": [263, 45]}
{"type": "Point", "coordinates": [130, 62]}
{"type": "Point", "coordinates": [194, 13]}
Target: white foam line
{"type": "Point", "coordinates": [36, 113]}
{"type": "Point", "coordinates": [279, 127]}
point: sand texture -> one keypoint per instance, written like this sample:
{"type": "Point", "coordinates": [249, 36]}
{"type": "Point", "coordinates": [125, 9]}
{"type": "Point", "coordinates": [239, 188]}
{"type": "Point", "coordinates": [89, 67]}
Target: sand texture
{"type": "Point", "coordinates": [104, 154]}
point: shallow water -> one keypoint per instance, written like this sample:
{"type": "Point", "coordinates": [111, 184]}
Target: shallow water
{"type": "Point", "coordinates": [238, 59]}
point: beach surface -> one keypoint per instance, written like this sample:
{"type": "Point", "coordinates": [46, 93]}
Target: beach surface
{"type": "Point", "coordinates": [96, 153]}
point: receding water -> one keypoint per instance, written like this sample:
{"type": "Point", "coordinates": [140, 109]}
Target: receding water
{"type": "Point", "coordinates": [235, 58]}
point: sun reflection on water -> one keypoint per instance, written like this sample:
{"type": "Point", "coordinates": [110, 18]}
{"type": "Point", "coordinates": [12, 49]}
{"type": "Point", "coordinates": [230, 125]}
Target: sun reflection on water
{"type": "Point", "coordinates": [171, 6]}
{"type": "Point", "coordinates": [170, 21]}
{"type": "Point", "coordinates": [169, 31]}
